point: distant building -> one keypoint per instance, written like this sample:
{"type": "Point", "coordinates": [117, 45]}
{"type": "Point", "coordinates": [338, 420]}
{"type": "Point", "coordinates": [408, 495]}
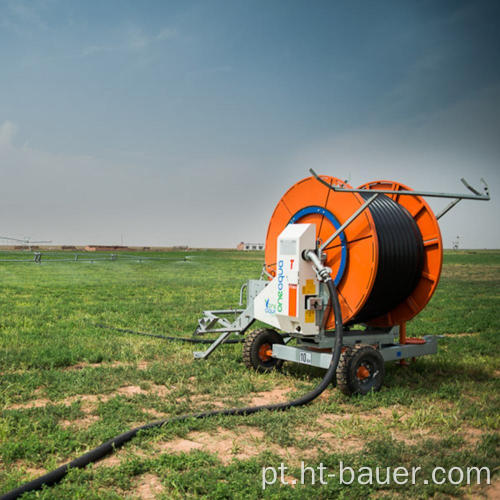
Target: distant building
{"type": "Point", "coordinates": [103, 248]}
{"type": "Point", "coordinates": [250, 246]}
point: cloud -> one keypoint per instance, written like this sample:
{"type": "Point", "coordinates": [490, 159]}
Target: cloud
{"type": "Point", "coordinates": [218, 200]}
{"type": "Point", "coordinates": [72, 199]}
{"type": "Point", "coordinates": [430, 153]}
{"type": "Point", "coordinates": [23, 17]}
{"type": "Point", "coordinates": [64, 198]}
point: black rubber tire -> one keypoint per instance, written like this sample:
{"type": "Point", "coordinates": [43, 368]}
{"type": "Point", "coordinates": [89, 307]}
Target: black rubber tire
{"type": "Point", "coordinates": [253, 342]}
{"type": "Point", "coordinates": [347, 371]}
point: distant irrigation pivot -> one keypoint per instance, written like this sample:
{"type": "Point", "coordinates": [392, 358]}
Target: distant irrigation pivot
{"type": "Point", "coordinates": [26, 241]}
{"type": "Point", "coordinates": [50, 257]}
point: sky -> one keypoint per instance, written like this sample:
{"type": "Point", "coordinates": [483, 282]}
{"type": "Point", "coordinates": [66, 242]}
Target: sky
{"type": "Point", "coordinates": [183, 123]}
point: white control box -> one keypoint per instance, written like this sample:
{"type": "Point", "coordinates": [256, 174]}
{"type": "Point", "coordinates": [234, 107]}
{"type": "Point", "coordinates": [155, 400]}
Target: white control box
{"type": "Point", "coordinates": [283, 303]}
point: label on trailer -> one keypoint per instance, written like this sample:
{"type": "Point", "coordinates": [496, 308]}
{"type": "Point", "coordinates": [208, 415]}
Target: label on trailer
{"type": "Point", "coordinates": [309, 288]}
{"type": "Point", "coordinates": [305, 358]}
{"type": "Point", "coordinates": [281, 287]}
{"type": "Point", "coordinates": [292, 300]}
{"type": "Point", "coordinates": [310, 315]}
{"type": "Point", "coordinates": [288, 247]}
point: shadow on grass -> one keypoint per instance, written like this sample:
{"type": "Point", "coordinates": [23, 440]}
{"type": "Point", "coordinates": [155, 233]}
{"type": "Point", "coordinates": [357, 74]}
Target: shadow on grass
{"type": "Point", "coordinates": [428, 374]}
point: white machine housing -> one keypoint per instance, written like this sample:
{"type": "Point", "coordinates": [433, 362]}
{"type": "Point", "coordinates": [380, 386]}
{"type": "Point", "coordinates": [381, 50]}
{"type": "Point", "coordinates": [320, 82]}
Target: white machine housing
{"type": "Point", "coordinates": [291, 301]}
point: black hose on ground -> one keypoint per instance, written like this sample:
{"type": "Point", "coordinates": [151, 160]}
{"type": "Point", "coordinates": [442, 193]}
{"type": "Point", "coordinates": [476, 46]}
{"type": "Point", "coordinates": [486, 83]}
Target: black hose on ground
{"type": "Point", "coordinates": [190, 340]}
{"type": "Point", "coordinates": [109, 446]}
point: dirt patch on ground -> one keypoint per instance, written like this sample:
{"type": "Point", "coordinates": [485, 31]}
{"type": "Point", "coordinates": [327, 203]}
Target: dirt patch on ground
{"type": "Point", "coordinates": [224, 443]}
{"type": "Point", "coordinates": [29, 470]}
{"type": "Point", "coordinates": [131, 390]}
{"type": "Point", "coordinates": [352, 426]}
{"type": "Point", "coordinates": [35, 403]}
{"type": "Point", "coordinates": [350, 444]}
{"type": "Point", "coordinates": [81, 423]}
{"type": "Point", "coordinates": [493, 490]}
{"type": "Point", "coordinates": [114, 459]}
{"type": "Point", "coordinates": [204, 400]}
{"type": "Point", "coordinates": [89, 401]}
{"type": "Point", "coordinates": [270, 397]}
{"type": "Point", "coordinates": [488, 491]}
{"type": "Point", "coordinates": [472, 436]}
{"type": "Point", "coordinates": [460, 334]}
{"type": "Point", "coordinates": [413, 437]}
{"type": "Point", "coordinates": [330, 420]}
{"type": "Point", "coordinates": [35, 471]}
{"type": "Point", "coordinates": [243, 443]}
{"type": "Point", "coordinates": [141, 365]}
{"type": "Point", "coordinates": [148, 487]}
{"type": "Point", "coordinates": [110, 461]}
{"type": "Point", "coordinates": [154, 413]}
{"type": "Point", "coordinates": [253, 399]}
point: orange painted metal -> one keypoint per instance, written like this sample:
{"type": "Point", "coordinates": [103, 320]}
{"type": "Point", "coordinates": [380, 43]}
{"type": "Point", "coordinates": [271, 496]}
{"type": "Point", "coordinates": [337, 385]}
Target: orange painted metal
{"type": "Point", "coordinates": [362, 373]}
{"type": "Point", "coordinates": [402, 333]}
{"type": "Point", "coordinates": [415, 340]}
{"type": "Point", "coordinates": [433, 254]}
{"type": "Point", "coordinates": [362, 243]}
{"type": "Point", "coordinates": [292, 300]}
{"type": "Point", "coordinates": [265, 352]}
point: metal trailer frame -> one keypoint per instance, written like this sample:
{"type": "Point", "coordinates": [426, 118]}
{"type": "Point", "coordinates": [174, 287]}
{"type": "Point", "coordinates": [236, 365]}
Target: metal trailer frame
{"type": "Point", "coordinates": [310, 353]}
{"type": "Point", "coordinates": [217, 321]}
{"type": "Point", "coordinates": [310, 347]}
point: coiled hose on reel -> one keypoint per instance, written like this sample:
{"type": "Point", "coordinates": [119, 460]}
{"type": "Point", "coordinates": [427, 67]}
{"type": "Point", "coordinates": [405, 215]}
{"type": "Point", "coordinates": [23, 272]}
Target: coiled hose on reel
{"type": "Point", "coordinates": [400, 257]}
{"type": "Point", "coordinates": [109, 446]}
{"type": "Point", "coordinates": [386, 261]}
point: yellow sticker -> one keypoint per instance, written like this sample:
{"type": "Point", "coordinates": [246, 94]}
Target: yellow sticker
{"type": "Point", "coordinates": [309, 288]}
{"type": "Point", "coordinates": [310, 315]}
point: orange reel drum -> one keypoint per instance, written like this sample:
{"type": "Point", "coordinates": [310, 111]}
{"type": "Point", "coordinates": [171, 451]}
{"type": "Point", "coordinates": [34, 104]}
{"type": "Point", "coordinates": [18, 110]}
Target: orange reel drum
{"type": "Point", "coordinates": [354, 260]}
{"type": "Point", "coordinates": [354, 255]}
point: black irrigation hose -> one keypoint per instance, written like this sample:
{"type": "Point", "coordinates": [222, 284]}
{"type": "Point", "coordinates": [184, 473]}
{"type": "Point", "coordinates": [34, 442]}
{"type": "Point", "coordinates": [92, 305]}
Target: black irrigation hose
{"type": "Point", "coordinates": [400, 257]}
{"type": "Point", "coordinates": [109, 446]}
{"type": "Point", "coordinates": [191, 340]}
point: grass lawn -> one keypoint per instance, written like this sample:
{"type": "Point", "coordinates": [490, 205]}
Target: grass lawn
{"type": "Point", "coordinates": [67, 386]}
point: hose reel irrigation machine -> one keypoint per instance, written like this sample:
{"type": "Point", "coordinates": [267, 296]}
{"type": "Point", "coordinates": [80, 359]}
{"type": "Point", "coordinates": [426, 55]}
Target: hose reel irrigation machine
{"type": "Point", "coordinates": [367, 258]}
{"type": "Point", "coordinates": [345, 269]}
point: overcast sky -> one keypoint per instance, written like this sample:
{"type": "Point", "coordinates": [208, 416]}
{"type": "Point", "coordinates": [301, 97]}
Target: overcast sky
{"type": "Point", "coordinates": [170, 123]}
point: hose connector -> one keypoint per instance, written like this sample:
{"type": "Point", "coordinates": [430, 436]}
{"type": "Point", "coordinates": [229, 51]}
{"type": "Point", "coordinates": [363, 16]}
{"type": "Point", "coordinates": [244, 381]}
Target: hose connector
{"type": "Point", "coordinates": [322, 272]}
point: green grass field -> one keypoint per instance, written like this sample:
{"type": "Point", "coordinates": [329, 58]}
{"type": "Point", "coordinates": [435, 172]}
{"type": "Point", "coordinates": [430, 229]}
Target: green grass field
{"type": "Point", "coordinates": [67, 386]}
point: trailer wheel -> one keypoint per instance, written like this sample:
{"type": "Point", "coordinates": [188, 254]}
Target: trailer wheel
{"type": "Point", "coordinates": [361, 370]}
{"type": "Point", "coordinates": [257, 350]}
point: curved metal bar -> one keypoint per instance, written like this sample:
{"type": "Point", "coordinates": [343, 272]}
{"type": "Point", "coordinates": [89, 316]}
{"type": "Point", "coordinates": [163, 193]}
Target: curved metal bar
{"type": "Point", "coordinates": [460, 196]}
